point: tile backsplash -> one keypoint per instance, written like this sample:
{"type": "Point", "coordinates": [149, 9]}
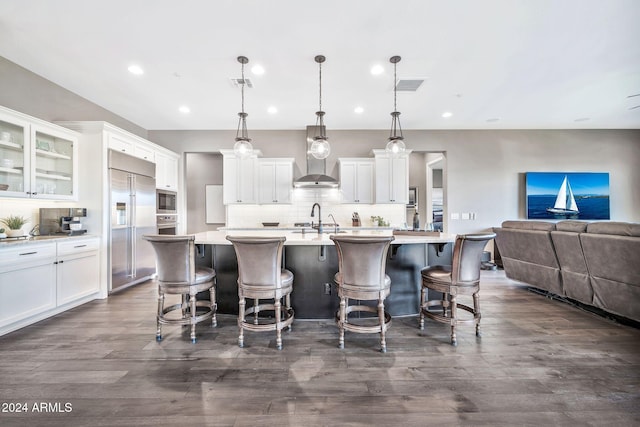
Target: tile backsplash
{"type": "Point", "coordinates": [299, 210]}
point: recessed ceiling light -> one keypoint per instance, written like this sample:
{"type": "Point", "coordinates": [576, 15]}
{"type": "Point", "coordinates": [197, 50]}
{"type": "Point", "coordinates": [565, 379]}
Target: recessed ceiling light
{"type": "Point", "coordinates": [184, 109]}
{"type": "Point", "coordinates": [358, 110]}
{"type": "Point", "coordinates": [272, 110]}
{"type": "Point", "coordinates": [257, 69]}
{"type": "Point", "coordinates": [136, 70]}
{"type": "Point", "coordinates": [377, 69]}
{"type": "Point", "coordinates": [447, 114]}
{"type": "Point", "coordinates": [582, 119]}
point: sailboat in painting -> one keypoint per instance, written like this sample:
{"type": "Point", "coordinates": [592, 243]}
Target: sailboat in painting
{"type": "Point", "coordinates": [565, 202]}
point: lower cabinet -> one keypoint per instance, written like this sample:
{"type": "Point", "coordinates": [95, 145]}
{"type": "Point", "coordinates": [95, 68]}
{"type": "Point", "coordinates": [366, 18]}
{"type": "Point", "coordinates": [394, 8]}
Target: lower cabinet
{"type": "Point", "coordinates": [77, 267]}
{"type": "Point", "coordinates": [39, 280]}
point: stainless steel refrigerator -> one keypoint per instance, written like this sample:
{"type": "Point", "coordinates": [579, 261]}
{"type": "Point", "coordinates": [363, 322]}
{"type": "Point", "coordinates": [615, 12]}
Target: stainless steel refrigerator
{"type": "Point", "coordinates": [133, 214]}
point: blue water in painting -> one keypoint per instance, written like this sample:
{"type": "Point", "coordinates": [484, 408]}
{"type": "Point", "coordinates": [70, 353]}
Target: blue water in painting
{"type": "Point", "coordinates": [596, 207]}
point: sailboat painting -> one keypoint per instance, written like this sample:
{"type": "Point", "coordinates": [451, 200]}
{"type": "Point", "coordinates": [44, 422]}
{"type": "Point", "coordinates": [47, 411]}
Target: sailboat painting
{"type": "Point", "coordinates": [567, 195]}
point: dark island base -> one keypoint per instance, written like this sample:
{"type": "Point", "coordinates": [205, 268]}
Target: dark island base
{"type": "Point", "coordinates": [314, 295]}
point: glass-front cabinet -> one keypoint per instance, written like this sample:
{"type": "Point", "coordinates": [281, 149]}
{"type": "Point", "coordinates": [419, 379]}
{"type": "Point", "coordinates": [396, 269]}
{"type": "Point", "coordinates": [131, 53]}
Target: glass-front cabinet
{"type": "Point", "coordinates": [37, 159]}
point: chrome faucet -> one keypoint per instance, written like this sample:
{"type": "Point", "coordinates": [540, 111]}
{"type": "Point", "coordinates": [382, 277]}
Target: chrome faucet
{"type": "Point", "coordinates": [313, 208]}
{"type": "Point", "coordinates": [335, 223]}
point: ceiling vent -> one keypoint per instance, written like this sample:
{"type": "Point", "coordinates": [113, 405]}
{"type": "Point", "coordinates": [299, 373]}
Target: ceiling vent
{"type": "Point", "coordinates": [409, 85]}
{"type": "Point", "coordinates": [238, 82]}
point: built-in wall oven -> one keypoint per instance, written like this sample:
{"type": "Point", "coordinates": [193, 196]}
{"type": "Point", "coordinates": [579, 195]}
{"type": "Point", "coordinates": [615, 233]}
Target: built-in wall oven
{"type": "Point", "coordinates": [166, 202]}
{"type": "Point", "coordinates": [167, 223]}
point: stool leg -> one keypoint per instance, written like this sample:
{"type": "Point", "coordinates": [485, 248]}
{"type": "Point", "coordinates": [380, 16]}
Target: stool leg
{"type": "Point", "coordinates": [423, 299]}
{"type": "Point", "coordinates": [287, 301]}
{"type": "Point", "coordinates": [185, 304]}
{"type": "Point", "coordinates": [256, 302]}
{"type": "Point", "coordinates": [241, 321]}
{"type": "Point", "coordinates": [214, 306]}
{"type": "Point", "coordinates": [383, 326]}
{"type": "Point", "coordinates": [476, 312]}
{"type": "Point", "coordinates": [454, 318]}
{"type": "Point", "coordinates": [192, 301]}
{"type": "Point", "coordinates": [160, 307]}
{"type": "Point", "coordinates": [277, 308]}
{"type": "Point", "coordinates": [341, 321]}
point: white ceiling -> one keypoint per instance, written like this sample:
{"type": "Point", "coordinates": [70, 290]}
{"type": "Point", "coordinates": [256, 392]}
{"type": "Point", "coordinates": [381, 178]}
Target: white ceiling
{"type": "Point", "coordinates": [532, 64]}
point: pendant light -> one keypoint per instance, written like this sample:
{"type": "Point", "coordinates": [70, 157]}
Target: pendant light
{"type": "Point", "coordinates": [320, 147]}
{"type": "Point", "coordinates": [242, 148]}
{"type": "Point", "coordinates": [396, 140]}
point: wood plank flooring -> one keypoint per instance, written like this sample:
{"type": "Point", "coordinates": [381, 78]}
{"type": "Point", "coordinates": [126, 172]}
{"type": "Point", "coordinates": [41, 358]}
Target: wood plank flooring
{"type": "Point", "coordinates": [540, 362]}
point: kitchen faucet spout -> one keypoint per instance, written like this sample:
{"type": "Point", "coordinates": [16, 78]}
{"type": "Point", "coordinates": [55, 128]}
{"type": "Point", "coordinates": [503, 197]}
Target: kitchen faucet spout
{"type": "Point", "coordinates": [313, 208]}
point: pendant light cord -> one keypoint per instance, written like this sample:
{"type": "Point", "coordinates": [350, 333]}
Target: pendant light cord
{"type": "Point", "coordinates": [320, 98]}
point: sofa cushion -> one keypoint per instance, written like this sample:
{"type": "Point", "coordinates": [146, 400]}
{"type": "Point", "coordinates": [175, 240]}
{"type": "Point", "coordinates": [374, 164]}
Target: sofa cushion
{"type": "Point", "coordinates": [572, 226]}
{"type": "Point", "coordinates": [530, 225]}
{"type": "Point", "coordinates": [615, 228]}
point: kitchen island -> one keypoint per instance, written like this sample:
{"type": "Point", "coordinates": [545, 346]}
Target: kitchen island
{"type": "Point", "coordinates": [312, 258]}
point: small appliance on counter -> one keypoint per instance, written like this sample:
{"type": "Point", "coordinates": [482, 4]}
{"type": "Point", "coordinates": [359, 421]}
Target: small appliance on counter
{"type": "Point", "coordinates": [62, 221]}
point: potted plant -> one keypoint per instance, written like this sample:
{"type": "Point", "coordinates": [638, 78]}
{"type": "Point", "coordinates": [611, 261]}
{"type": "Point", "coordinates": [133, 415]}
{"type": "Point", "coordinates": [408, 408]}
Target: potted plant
{"type": "Point", "coordinates": [14, 224]}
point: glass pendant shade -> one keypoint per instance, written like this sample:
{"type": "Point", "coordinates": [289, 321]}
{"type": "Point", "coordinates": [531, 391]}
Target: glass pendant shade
{"type": "Point", "coordinates": [395, 146]}
{"type": "Point", "coordinates": [242, 149]}
{"type": "Point", "coordinates": [320, 148]}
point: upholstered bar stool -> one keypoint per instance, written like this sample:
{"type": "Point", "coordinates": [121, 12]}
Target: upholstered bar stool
{"type": "Point", "coordinates": [261, 276]}
{"type": "Point", "coordinates": [178, 275]}
{"type": "Point", "coordinates": [362, 276]}
{"type": "Point", "coordinates": [461, 278]}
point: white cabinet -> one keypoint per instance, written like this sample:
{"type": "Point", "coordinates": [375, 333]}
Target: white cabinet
{"type": "Point", "coordinates": [356, 180]}
{"type": "Point", "coordinates": [167, 171]}
{"type": "Point", "coordinates": [238, 178]}
{"type": "Point", "coordinates": [27, 281]}
{"type": "Point", "coordinates": [39, 280]}
{"type": "Point", "coordinates": [275, 179]}
{"type": "Point", "coordinates": [392, 177]}
{"type": "Point", "coordinates": [131, 145]}
{"type": "Point", "coordinates": [37, 159]}
{"type": "Point", "coordinates": [78, 267]}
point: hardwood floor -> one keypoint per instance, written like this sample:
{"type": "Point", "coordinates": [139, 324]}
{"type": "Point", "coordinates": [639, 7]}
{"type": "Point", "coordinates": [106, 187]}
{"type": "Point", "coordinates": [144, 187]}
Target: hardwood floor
{"type": "Point", "coordinates": [540, 362]}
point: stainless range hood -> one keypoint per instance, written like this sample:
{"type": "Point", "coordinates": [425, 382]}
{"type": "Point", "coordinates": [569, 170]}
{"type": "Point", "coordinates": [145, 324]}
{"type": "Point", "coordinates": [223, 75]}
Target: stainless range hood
{"type": "Point", "coordinates": [316, 176]}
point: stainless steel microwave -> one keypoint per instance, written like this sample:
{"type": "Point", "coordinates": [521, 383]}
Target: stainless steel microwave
{"type": "Point", "coordinates": [166, 202]}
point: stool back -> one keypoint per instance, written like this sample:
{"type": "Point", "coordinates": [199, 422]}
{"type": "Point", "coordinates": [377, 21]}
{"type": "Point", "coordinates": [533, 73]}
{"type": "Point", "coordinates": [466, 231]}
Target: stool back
{"type": "Point", "coordinates": [362, 259]}
{"type": "Point", "coordinates": [467, 258]}
{"type": "Point", "coordinates": [175, 257]}
{"type": "Point", "coordinates": [259, 260]}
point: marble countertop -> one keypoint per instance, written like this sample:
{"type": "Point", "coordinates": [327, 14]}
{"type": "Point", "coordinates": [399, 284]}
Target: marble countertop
{"type": "Point", "coordinates": [10, 242]}
{"type": "Point", "coordinates": [312, 238]}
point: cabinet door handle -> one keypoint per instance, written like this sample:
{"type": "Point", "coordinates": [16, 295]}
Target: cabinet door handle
{"type": "Point", "coordinates": [80, 246]}
{"type": "Point", "coordinates": [29, 253]}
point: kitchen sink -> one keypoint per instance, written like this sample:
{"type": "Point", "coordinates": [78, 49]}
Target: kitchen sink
{"type": "Point", "coordinates": [330, 231]}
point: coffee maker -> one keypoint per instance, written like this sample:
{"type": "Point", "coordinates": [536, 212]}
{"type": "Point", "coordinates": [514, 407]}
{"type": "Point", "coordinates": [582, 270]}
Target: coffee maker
{"type": "Point", "coordinates": [62, 221]}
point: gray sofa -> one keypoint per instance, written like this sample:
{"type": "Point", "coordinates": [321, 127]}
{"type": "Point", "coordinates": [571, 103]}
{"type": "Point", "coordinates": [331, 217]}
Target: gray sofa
{"type": "Point", "coordinates": [597, 264]}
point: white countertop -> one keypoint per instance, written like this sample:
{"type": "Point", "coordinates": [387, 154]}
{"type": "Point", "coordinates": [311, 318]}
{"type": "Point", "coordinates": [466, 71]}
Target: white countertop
{"type": "Point", "coordinates": [315, 239]}
{"type": "Point", "coordinates": [9, 242]}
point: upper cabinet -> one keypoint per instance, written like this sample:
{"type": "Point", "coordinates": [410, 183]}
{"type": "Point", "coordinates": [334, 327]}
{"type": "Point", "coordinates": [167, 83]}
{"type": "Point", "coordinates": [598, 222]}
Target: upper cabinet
{"type": "Point", "coordinates": [167, 171]}
{"type": "Point", "coordinates": [392, 177]}
{"type": "Point", "coordinates": [275, 178]}
{"type": "Point", "coordinates": [37, 159]}
{"type": "Point", "coordinates": [238, 176]}
{"type": "Point", "coordinates": [356, 180]}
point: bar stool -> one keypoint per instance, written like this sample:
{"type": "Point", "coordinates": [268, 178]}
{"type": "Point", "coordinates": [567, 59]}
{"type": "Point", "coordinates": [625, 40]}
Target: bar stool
{"type": "Point", "coordinates": [261, 276]}
{"type": "Point", "coordinates": [178, 275]}
{"type": "Point", "coordinates": [361, 276]}
{"type": "Point", "coordinates": [461, 278]}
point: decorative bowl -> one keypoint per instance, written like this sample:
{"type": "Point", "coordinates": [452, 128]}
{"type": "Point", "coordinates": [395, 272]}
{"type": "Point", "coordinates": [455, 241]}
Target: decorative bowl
{"type": "Point", "coordinates": [270, 224]}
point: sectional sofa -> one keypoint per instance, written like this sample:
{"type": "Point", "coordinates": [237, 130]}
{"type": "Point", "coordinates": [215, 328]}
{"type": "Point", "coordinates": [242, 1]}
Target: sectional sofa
{"type": "Point", "coordinates": [597, 263]}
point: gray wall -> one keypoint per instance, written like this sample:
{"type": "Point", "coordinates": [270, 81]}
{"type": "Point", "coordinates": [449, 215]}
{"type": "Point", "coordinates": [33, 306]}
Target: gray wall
{"type": "Point", "coordinates": [200, 169]}
{"type": "Point", "coordinates": [485, 168]}
{"type": "Point", "coordinates": [27, 92]}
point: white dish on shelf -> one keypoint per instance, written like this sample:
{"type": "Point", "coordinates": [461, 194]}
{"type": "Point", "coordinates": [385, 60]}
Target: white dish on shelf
{"type": "Point", "coordinates": [6, 163]}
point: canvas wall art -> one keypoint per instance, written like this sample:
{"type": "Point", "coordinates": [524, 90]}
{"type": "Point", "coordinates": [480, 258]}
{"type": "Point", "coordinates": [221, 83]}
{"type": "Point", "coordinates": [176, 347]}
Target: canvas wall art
{"type": "Point", "coordinates": [567, 195]}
